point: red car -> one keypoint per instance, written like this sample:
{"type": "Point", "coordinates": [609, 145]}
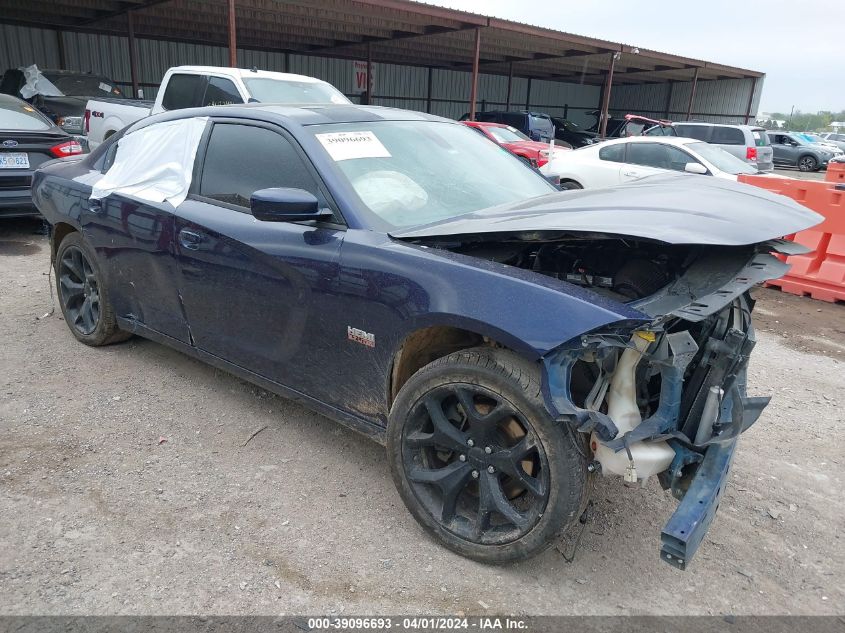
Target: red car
{"type": "Point", "coordinates": [537, 154]}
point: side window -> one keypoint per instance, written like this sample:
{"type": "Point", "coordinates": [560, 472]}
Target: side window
{"type": "Point", "coordinates": [241, 159]}
{"type": "Point", "coordinates": [648, 155]}
{"type": "Point", "coordinates": [678, 158]}
{"type": "Point", "coordinates": [728, 136]}
{"type": "Point", "coordinates": [700, 132]}
{"type": "Point", "coordinates": [613, 153]}
{"type": "Point", "coordinates": [183, 91]}
{"type": "Point", "coordinates": [221, 91]}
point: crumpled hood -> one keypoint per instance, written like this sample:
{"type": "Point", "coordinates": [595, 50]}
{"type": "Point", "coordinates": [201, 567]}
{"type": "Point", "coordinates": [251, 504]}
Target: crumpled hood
{"type": "Point", "coordinates": [676, 209]}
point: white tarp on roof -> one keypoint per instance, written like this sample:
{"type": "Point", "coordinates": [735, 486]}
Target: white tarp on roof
{"type": "Point", "coordinates": [37, 84]}
{"type": "Point", "coordinates": [155, 163]}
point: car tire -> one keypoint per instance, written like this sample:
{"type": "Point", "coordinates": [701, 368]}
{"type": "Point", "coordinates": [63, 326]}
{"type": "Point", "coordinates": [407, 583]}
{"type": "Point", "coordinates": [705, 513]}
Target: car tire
{"type": "Point", "coordinates": [478, 460]}
{"type": "Point", "coordinates": [570, 184]}
{"type": "Point", "coordinates": [83, 295]}
{"type": "Point", "coordinates": [808, 163]}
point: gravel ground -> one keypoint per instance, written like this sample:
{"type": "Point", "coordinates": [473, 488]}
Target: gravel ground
{"type": "Point", "coordinates": [127, 485]}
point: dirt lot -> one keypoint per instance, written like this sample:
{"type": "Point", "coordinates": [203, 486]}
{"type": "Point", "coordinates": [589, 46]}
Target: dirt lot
{"type": "Point", "coordinates": [127, 486]}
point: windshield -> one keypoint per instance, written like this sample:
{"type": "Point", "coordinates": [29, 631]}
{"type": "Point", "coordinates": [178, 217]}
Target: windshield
{"type": "Point", "coordinates": [408, 173]}
{"type": "Point", "coordinates": [507, 134]}
{"type": "Point", "coordinates": [722, 160]}
{"type": "Point", "coordinates": [19, 115]}
{"type": "Point", "coordinates": [83, 85]}
{"type": "Point", "coordinates": [269, 90]}
{"type": "Point", "coordinates": [814, 138]}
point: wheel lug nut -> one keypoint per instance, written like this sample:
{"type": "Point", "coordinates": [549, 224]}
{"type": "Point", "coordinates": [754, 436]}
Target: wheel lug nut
{"type": "Point", "coordinates": [470, 443]}
{"type": "Point", "coordinates": [488, 450]}
{"type": "Point", "coordinates": [491, 470]}
{"type": "Point", "coordinates": [463, 458]}
{"type": "Point", "coordinates": [475, 474]}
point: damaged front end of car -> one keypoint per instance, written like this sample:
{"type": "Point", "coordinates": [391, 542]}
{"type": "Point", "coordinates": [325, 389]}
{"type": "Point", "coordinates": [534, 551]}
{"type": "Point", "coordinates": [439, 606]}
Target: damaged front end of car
{"type": "Point", "coordinates": [667, 397]}
{"type": "Point", "coordinates": [664, 392]}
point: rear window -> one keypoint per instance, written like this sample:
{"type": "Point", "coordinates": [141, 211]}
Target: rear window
{"type": "Point", "coordinates": [514, 119]}
{"type": "Point", "coordinates": [700, 132]}
{"type": "Point", "coordinates": [84, 85]}
{"type": "Point", "coordinates": [19, 115]}
{"type": "Point", "coordinates": [727, 136]}
{"type": "Point", "coordinates": [183, 91]}
{"type": "Point", "coordinates": [761, 139]}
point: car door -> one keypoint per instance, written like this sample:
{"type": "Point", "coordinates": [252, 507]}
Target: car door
{"type": "Point", "coordinates": [257, 294]}
{"type": "Point", "coordinates": [644, 159]}
{"type": "Point", "coordinates": [783, 151]}
{"type": "Point", "coordinates": [134, 241]}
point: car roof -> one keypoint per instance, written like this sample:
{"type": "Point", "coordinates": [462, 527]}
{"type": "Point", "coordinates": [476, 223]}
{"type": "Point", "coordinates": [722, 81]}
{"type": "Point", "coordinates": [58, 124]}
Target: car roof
{"type": "Point", "coordinates": [705, 123]}
{"type": "Point", "coordinates": [665, 140]}
{"type": "Point", "coordinates": [303, 115]}
{"type": "Point", "coordinates": [247, 73]}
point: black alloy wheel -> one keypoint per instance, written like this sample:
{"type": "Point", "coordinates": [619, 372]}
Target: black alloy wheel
{"type": "Point", "coordinates": [83, 295]}
{"type": "Point", "coordinates": [80, 290]}
{"type": "Point", "coordinates": [479, 461]}
{"type": "Point", "coordinates": [475, 463]}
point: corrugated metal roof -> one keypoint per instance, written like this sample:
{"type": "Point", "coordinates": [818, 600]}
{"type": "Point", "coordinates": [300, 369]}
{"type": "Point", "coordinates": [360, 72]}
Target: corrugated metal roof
{"type": "Point", "coordinates": [396, 31]}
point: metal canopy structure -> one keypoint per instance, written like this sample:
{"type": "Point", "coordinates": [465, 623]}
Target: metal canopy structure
{"type": "Point", "coordinates": [394, 31]}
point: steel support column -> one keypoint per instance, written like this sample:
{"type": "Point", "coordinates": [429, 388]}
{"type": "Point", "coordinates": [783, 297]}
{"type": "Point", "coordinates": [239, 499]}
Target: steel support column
{"type": "Point", "coordinates": [233, 38]}
{"type": "Point", "coordinates": [750, 100]}
{"type": "Point", "coordinates": [428, 96]}
{"type": "Point", "coordinates": [60, 45]}
{"type": "Point", "coordinates": [473, 90]}
{"type": "Point", "coordinates": [528, 95]}
{"type": "Point", "coordinates": [133, 53]}
{"type": "Point", "coordinates": [692, 93]}
{"type": "Point", "coordinates": [605, 106]}
{"type": "Point", "coordinates": [369, 74]}
{"type": "Point", "coordinates": [510, 80]}
{"type": "Point", "coordinates": [669, 92]}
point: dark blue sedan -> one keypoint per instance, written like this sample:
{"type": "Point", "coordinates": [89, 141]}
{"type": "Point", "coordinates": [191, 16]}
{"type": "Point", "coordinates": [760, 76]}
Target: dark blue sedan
{"type": "Point", "coordinates": [404, 276]}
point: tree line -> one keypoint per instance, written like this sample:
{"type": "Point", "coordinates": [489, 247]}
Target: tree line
{"type": "Point", "coordinates": [804, 121]}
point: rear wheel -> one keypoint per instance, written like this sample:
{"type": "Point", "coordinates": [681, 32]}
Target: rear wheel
{"type": "Point", "coordinates": [808, 163]}
{"type": "Point", "coordinates": [570, 184]}
{"type": "Point", "coordinates": [83, 296]}
{"type": "Point", "coordinates": [478, 460]}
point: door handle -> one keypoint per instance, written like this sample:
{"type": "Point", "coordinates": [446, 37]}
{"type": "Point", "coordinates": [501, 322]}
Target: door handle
{"type": "Point", "coordinates": [190, 240]}
{"type": "Point", "coordinates": [630, 173]}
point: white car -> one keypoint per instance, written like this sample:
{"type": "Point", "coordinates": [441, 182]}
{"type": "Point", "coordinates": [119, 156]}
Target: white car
{"type": "Point", "coordinates": [625, 159]}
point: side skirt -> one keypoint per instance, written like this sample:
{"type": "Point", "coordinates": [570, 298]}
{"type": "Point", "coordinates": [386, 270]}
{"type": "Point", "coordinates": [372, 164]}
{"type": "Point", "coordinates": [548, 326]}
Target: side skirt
{"type": "Point", "coordinates": [362, 426]}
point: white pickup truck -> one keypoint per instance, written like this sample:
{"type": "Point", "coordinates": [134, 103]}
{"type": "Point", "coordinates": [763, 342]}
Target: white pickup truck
{"type": "Point", "coordinates": [197, 86]}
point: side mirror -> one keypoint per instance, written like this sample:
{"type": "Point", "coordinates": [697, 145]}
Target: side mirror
{"type": "Point", "coordinates": [286, 205]}
{"type": "Point", "coordinates": [695, 168]}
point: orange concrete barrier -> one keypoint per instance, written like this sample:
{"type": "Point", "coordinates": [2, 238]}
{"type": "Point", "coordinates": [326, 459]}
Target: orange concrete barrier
{"type": "Point", "coordinates": [821, 273]}
{"type": "Point", "coordinates": [835, 173]}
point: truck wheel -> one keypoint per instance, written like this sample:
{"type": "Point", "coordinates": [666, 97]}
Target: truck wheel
{"type": "Point", "coordinates": [808, 163]}
{"type": "Point", "coordinates": [478, 460]}
{"type": "Point", "coordinates": [83, 295]}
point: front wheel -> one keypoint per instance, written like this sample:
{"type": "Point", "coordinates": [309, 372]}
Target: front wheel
{"type": "Point", "coordinates": [83, 295]}
{"type": "Point", "coordinates": [478, 460]}
{"type": "Point", "coordinates": [808, 163]}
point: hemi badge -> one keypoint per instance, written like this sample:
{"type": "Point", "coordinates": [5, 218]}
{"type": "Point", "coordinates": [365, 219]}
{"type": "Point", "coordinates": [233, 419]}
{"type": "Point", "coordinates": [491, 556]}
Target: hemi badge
{"type": "Point", "coordinates": [360, 336]}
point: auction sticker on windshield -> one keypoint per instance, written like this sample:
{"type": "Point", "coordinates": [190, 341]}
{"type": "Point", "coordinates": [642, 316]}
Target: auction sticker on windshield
{"type": "Point", "coordinates": [346, 145]}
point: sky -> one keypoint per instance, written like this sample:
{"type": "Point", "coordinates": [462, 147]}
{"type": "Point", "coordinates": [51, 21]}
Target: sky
{"type": "Point", "coordinates": [799, 44]}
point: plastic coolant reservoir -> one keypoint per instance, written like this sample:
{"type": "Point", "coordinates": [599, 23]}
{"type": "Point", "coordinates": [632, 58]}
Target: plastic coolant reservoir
{"type": "Point", "coordinates": [648, 458]}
